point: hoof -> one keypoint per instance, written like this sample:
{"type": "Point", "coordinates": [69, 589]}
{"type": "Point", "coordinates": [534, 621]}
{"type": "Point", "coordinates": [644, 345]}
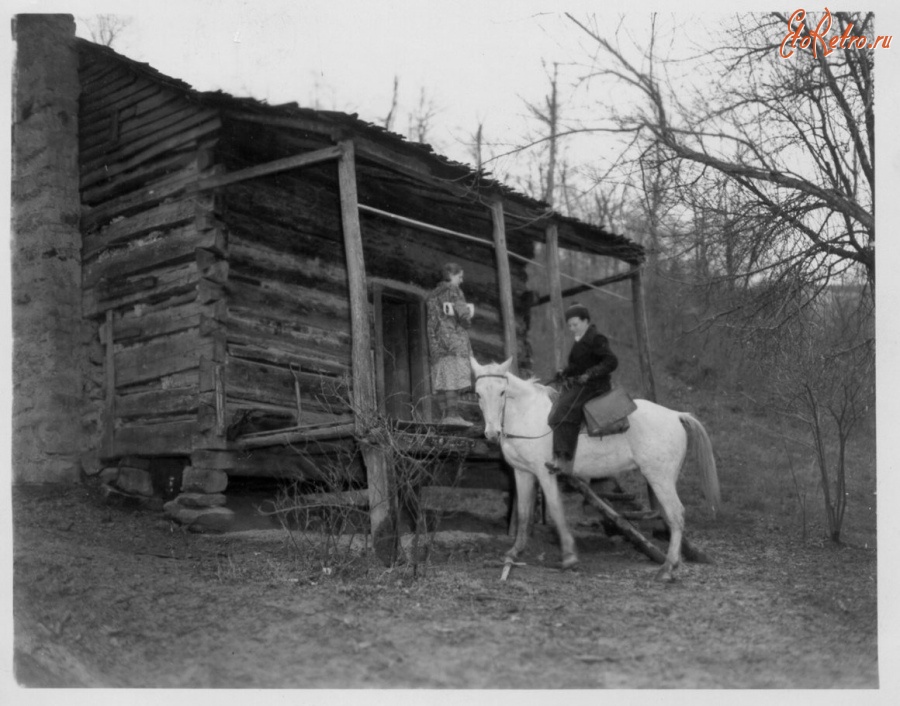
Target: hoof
{"type": "Point", "coordinates": [569, 562]}
{"type": "Point", "coordinates": [664, 575]}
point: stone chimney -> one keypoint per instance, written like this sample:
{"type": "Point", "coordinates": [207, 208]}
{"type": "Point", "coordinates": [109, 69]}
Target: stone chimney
{"type": "Point", "coordinates": [49, 335]}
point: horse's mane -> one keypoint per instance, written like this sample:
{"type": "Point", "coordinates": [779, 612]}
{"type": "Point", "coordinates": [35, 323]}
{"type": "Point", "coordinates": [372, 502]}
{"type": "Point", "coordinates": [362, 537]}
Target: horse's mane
{"type": "Point", "coordinates": [551, 392]}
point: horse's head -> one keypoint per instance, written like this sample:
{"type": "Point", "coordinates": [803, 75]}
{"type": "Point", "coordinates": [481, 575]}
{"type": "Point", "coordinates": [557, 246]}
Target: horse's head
{"type": "Point", "coordinates": [491, 384]}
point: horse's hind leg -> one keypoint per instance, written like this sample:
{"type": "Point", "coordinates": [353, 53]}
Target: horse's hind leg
{"type": "Point", "coordinates": [524, 509]}
{"type": "Point", "coordinates": [673, 513]}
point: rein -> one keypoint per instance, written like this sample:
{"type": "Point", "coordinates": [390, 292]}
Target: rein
{"type": "Point", "coordinates": [503, 434]}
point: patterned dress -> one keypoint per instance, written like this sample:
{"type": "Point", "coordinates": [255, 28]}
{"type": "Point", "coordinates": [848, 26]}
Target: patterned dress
{"type": "Point", "coordinates": [448, 340]}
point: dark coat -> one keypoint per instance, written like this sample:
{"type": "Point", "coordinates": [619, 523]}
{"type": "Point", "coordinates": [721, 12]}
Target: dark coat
{"type": "Point", "coordinates": [592, 355]}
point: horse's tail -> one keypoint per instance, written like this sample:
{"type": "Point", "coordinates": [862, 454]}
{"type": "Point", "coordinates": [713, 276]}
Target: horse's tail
{"type": "Point", "coordinates": [703, 452]}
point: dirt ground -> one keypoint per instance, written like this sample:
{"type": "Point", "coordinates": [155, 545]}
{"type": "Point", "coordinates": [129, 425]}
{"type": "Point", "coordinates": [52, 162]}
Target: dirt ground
{"type": "Point", "coordinates": [107, 596]}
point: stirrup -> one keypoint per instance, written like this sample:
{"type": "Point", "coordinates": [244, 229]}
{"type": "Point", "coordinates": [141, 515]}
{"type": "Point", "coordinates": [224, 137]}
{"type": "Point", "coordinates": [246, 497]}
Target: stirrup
{"type": "Point", "coordinates": [565, 468]}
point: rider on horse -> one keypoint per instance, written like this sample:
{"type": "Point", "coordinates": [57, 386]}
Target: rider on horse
{"type": "Point", "coordinates": [586, 376]}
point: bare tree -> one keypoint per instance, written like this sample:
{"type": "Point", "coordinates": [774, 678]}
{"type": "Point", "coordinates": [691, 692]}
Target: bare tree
{"type": "Point", "coordinates": [389, 118]}
{"type": "Point", "coordinates": [823, 370]}
{"type": "Point", "coordinates": [477, 146]}
{"type": "Point", "coordinates": [547, 116]}
{"type": "Point", "coordinates": [105, 29]}
{"type": "Point", "coordinates": [421, 120]}
{"type": "Point", "coordinates": [769, 191]}
{"type": "Point", "coordinates": [795, 135]}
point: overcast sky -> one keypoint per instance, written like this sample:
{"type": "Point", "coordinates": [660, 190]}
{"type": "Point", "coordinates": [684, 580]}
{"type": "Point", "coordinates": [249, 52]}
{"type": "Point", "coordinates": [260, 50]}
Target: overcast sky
{"type": "Point", "coordinates": [476, 60]}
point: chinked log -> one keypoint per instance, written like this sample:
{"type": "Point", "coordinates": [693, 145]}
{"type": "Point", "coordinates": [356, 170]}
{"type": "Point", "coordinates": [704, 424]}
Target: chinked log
{"type": "Point", "coordinates": [125, 88]}
{"type": "Point", "coordinates": [278, 300]}
{"type": "Point", "coordinates": [118, 290]}
{"type": "Point", "coordinates": [156, 359]}
{"type": "Point", "coordinates": [113, 105]}
{"type": "Point", "coordinates": [310, 416]}
{"type": "Point", "coordinates": [166, 216]}
{"type": "Point", "coordinates": [146, 109]}
{"type": "Point", "coordinates": [259, 258]}
{"type": "Point", "coordinates": [251, 380]}
{"type": "Point", "coordinates": [96, 74]}
{"type": "Point", "coordinates": [312, 236]}
{"type": "Point", "coordinates": [332, 333]}
{"type": "Point", "coordinates": [314, 412]}
{"type": "Point", "coordinates": [163, 439]}
{"type": "Point", "coordinates": [158, 285]}
{"type": "Point", "coordinates": [244, 328]}
{"type": "Point", "coordinates": [283, 214]}
{"type": "Point", "coordinates": [164, 131]}
{"type": "Point", "coordinates": [132, 124]}
{"type": "Point", "coordinates": [138, 178]}
{"type": "Point", "coordinates": [161, 248]}
{"type": "Point", "coordinates": [135, 326]}
{"type": "Point", "coordinates": [289, 354]}
{"type": "Point", "coordinates": [112, 91]}
{"type": "Point", "coordinates": [150, 196]}
{"type": "Point", "coordinates": [119, 162]}
{"type": "Point", "coordinates": [300, 359]}
{"type": "Point", "coordinates": [160, 403]}
{"type": "Point", "coordinates": [288, 218]}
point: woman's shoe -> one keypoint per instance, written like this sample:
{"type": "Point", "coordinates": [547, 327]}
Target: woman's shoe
{"type": "Point", "coordinates": [455, 421]}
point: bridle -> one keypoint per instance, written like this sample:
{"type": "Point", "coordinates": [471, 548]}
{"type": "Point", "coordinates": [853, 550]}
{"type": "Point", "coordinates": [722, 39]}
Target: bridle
{"type": "Point", "coordinates": [503, 434]}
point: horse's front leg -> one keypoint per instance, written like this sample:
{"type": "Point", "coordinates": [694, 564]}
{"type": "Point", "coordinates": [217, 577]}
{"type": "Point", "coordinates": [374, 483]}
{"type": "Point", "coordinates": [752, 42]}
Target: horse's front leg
{"type": "Point", "coordinates": [557, 513]}
{"type": "Point", "coordinates": [524, 510]}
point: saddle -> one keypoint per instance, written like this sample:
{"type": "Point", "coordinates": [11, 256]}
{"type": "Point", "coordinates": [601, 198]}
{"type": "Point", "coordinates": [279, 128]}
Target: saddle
{"type": "Point", "coordinates": [608, 413]}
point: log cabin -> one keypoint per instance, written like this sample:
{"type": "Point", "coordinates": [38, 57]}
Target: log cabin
{"type": "Point", "coordinates": [254, 275]}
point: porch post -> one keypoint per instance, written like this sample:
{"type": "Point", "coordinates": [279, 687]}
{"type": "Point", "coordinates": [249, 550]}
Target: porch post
{"type": "Point", "coordinates": [381, 499]}
{"type": "Point", "coordinates": [555, 311]}
{"type": "Point", "coordinates": [641, 335]}
{"type": "Point", "coordinates": [504, 281]}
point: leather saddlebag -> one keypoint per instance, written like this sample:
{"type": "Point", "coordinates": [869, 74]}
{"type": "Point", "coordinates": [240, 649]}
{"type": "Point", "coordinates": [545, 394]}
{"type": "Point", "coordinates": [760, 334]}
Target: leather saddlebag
{"type": "Point", "coordinates": [608, 414]}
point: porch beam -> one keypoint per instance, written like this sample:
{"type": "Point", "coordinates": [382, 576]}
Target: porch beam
{"type": "Point", "coordinates": [588, 286]}
{"type": "Point", "coordinates": [279, 165]}
{"type": "Point", "coordinates": [422, 225]}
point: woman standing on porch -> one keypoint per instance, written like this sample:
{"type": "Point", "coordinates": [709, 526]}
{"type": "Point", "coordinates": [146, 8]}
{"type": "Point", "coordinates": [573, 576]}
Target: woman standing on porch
{"type": "Point", "coordinates": [449, 317]}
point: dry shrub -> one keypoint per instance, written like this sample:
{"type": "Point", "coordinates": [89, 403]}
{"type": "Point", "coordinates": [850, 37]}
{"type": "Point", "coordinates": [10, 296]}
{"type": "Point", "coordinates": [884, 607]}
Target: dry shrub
{"type": "Point", "coordinates": [327, 519]}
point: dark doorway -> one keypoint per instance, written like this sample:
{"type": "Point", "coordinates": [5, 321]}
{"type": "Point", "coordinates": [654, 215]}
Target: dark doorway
{"type": "Point", "coordinates": [402, 355]}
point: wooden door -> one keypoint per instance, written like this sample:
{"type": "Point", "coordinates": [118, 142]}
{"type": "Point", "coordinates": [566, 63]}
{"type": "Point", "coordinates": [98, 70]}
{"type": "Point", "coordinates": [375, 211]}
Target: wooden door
{"type": "Point", "coordinates": [402, 356]}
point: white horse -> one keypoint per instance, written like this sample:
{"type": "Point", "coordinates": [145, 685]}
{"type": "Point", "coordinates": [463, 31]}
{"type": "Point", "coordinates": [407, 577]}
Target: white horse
{"type": "Point", "coordinates": [516, 411]}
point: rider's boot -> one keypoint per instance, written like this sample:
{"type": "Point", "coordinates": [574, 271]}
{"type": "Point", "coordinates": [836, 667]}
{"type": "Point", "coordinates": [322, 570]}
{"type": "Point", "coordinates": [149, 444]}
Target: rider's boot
{"type": "Point", "coordinates": [563, 465]}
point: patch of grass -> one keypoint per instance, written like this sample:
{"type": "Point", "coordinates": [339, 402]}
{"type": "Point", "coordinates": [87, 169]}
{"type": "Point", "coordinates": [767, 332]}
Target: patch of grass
{"type": "Point", "coordinates": [766, 471]}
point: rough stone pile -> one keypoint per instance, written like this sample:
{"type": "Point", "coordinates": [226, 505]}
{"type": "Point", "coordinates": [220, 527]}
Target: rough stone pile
{"type": "Point", "coordinates": [200, 505]}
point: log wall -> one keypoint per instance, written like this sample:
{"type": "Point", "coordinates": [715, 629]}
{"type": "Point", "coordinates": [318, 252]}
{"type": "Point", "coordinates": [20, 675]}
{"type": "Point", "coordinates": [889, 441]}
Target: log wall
{"type": "Point", "coordinates": [288, 318]}
{"type": "Point", "coordinates": [153, 263]}
{"type": "Point", "coordinates": [215, 304]}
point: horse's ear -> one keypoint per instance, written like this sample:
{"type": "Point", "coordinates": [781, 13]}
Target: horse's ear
{"type": "Point", "coordinates": [505, 365]}
{"type": "Point", "coordinates": [476, 368]}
